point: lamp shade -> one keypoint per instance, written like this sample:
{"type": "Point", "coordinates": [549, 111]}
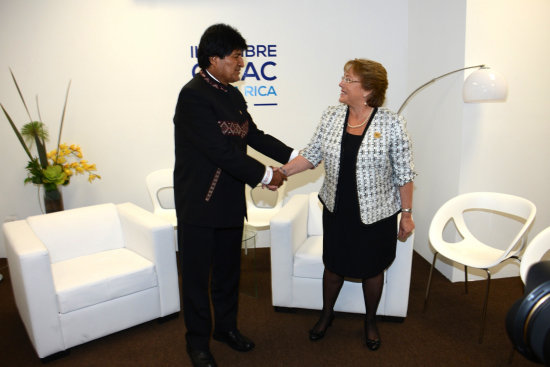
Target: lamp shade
{"type": "Point", "coordinates": [485, 85]}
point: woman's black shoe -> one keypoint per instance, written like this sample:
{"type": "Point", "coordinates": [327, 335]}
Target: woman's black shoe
{"type": "Point", "coordinates": [373, 344]}
{"type": "Point", "coordinates": [316, 336]}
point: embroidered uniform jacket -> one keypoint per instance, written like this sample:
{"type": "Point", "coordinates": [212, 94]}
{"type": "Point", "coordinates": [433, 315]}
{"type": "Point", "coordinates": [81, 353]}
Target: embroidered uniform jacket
{"type": "Point", "coordinates": [212, 130]}
{"type": "Point", "coordinates": [384, 161]}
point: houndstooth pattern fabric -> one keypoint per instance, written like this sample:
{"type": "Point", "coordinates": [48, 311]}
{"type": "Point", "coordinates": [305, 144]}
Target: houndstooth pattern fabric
{"type": "Point", "coordinates": [384, 161]}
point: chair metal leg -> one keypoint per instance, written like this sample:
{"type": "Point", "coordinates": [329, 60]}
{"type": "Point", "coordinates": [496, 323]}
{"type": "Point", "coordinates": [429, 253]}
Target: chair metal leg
{"type": "Point", "coordinates": [429, 283]}
{"type": "Point", "coordinates": [484, 312]}
{"type": "Point", "coordinates": [465, 279]}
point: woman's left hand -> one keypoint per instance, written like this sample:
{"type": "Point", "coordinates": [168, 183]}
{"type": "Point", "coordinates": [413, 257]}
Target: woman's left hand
{"type": "Point", "coordinates": [406, 226]}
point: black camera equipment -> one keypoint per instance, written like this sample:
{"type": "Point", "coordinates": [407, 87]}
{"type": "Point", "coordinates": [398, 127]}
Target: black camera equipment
{"type": "Point", "coordinates": [528, 320]}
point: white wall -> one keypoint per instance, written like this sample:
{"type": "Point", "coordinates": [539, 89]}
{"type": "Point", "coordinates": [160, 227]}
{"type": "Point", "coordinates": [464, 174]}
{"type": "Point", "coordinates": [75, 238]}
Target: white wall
{"type": "Point", "coordinates": [434, 115]}
{"type": "Point", "coordinates": [479, 147]}
{"type": "Point", "coordinates": [128, 60]}
{"type": "Point", "coordinates": [505, 146]}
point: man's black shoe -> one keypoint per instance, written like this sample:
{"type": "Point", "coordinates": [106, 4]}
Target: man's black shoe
{"type": "Point", "coordinates": [201, 358]}
{"type": "Point", "coordinates": [235, 340]}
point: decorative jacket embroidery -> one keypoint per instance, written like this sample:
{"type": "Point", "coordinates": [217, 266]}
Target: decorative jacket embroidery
{"type": "Point", "coordinates": [213, 184]}
{"type": "Point", "coordinates": [234, 128]}
{"type": "Point", "coordinates": [384, 161]}
{"type": "Point", "coordinates": [212, 82]}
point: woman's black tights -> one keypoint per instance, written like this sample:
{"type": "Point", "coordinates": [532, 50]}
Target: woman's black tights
{"type": "Point", "coordinates": [372, 291]}
{"type": "Point", "coordinates": [332, 283]}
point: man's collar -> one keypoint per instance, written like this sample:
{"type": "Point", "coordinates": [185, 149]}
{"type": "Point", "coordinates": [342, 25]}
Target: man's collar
{"type": "Point", "coordinates": [208, 78]}
{"type": "Point", "coordinates": [212, 76]}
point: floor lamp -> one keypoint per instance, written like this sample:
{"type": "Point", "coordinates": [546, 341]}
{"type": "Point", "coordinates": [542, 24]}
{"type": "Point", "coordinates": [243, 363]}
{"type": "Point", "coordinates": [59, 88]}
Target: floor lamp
{"type": "Point", "coordinates": [483, 85]}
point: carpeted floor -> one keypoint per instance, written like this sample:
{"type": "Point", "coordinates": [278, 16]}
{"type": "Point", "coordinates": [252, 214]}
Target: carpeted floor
{"type": "Point", "coordinates": [445, 335]}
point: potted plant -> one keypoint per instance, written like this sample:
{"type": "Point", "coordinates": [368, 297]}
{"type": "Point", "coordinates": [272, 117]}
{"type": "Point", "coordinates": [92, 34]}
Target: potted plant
{"type": "Point", "coordinates": [49, 169]}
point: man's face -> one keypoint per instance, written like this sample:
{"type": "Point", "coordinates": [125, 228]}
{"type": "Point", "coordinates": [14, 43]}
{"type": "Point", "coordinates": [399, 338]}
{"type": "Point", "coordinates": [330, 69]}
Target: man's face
{"type": "Point", "coordinates": [227, 70]}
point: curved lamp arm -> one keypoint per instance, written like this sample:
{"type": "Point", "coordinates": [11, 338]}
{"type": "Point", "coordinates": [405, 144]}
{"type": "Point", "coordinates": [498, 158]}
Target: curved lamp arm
{"type": "Point", "coordinates": [433, 81]}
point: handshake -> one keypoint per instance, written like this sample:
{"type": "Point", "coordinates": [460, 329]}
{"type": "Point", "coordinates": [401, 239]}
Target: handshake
{"type": "Point", "coordinates": [279, 177]}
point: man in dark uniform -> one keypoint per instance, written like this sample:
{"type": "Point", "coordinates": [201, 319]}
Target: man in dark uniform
{"type": "Point", "coordinates": [212, 131]}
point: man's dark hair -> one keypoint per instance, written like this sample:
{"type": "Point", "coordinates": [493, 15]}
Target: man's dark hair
{"type": "Point", "coordinates": [219, 40]}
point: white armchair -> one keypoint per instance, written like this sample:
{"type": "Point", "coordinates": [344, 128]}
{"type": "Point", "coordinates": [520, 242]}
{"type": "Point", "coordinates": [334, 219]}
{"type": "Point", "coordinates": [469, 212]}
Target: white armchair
{"type": "Point", "coordinates": [84, 273]}
{"type": "Point", "coordinates": [297, 264]}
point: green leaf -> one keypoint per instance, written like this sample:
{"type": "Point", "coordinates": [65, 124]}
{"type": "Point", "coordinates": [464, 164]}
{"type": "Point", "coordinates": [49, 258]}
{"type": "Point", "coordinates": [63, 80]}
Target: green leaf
{"type": "Point", "coordinates": [62, 120]}
{"type": "Point", "coordinates": [36, 174]}
{"type": "Point", "coordinates": [20, 94]}
{"type": "Point", "coordinates": [34, 130]}
{"type": "Point", "coordinates": [41, 149]}
{"type": "Point", "coordinates": [38, 132]}
{"type": "Point", "coordinates": [54, 174]}
{"type": "Point", "coordinates": [19, 136]}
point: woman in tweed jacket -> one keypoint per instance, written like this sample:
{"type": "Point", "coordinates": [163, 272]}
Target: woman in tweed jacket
{"type": "Point", "coordinates": [369, 181]}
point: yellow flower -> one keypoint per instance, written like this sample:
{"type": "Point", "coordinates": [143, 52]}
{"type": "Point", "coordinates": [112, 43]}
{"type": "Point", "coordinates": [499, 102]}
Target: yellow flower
{"type": "Point", "coordinates": [93, 177]}
{"type": "Point", "coordinates": [377, 135]}
{"type": "Point", "coordinates": [70, 158]}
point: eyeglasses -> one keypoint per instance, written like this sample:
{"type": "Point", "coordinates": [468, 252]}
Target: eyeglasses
{"type": "Point", "coordinates": [348, 80]}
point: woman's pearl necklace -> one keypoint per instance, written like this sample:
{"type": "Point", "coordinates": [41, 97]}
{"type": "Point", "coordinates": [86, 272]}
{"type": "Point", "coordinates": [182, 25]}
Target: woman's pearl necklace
{"type": "Point", "coordinates": [362, 123]}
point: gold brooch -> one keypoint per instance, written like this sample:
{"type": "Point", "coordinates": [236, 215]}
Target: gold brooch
{"type": "Point", "coordinates": [377, 135]}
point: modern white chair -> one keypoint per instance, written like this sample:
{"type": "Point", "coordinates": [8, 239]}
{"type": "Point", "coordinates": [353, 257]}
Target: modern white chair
{"type": "Point", "coordinates": [160, 185]}
{"type": "Point", "coordinates": [81, 274]}
{"type": "Point", "coordinates": [261, 205]}
{"type": "Point", "coordinates": [534, 252]}
{"type": "Point", "coordinates": [297, 264]}
{"type": "Point", "coordinates": [471, 210]}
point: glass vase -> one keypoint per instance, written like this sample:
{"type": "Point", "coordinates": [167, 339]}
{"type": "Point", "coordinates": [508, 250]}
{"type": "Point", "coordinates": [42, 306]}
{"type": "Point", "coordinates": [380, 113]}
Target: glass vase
{"type": "Point", "coordinates": [53, 201]}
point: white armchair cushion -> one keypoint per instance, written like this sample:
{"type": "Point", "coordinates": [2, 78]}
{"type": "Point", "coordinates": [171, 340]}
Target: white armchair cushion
{"type": "Point", "coordinates": [87, 280]}
{"type": "Point", "coordinates": [308, 260]}
{"type": "Point", "coordinates": [85, 231]}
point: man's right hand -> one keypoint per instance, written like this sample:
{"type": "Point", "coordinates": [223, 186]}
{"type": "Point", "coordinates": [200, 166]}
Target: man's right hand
{"type": "Point", "coordinates": [278, 179]}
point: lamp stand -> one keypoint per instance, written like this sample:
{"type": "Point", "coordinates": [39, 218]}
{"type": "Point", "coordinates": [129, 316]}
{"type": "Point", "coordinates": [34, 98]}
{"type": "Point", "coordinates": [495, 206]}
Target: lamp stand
{"type": "Point", "coordinates": [433, 81]}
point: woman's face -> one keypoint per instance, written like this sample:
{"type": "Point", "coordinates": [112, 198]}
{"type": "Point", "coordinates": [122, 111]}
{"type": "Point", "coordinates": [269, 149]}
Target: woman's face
{"type": "Point", "coordinates": [351, 91]}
